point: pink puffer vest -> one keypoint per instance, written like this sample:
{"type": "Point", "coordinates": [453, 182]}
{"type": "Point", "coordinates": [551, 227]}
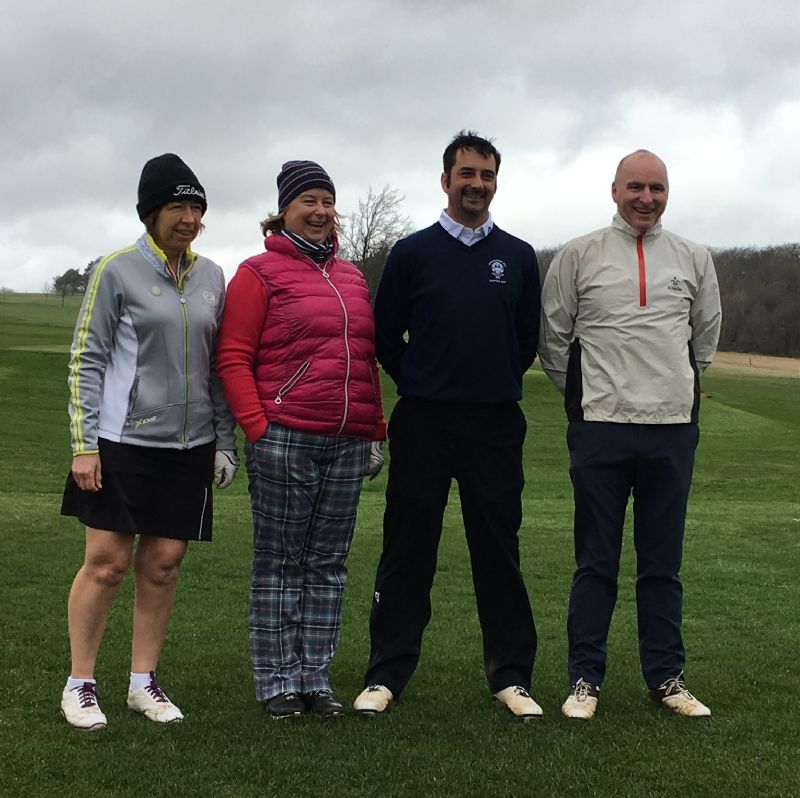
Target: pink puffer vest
{"type": "Point", "coordinates": [314, 366]}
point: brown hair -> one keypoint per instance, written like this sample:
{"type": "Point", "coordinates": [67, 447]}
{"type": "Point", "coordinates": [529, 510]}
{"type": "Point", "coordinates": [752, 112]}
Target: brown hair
{"type": "Point", "coordinates": [274, 223]}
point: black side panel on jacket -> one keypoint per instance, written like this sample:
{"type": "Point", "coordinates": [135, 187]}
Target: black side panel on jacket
{"type": "Point", "coordinates": [696, 403]}
{"type": "Point", "coordinates": [573, 393]}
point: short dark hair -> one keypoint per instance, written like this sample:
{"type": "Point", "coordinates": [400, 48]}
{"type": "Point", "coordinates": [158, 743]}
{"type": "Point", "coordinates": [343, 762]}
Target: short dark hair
{"type": "Point", "coordinates": [469, 140]}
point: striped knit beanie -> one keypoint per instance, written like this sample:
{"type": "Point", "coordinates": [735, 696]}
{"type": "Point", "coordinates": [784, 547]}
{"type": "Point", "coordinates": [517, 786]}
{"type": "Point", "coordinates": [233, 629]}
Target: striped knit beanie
{"type": "Point", "coordinates": [298, 176]}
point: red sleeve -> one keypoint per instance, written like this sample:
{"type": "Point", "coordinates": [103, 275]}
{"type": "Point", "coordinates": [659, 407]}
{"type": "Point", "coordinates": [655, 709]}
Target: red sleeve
{"type": "Point", "coordinates": [239, 336]}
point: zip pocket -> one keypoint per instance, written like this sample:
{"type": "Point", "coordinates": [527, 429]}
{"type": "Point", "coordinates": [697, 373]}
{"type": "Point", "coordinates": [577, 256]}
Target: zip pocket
{"type": "Point", "coordinates": [132, 396]}
{"type": "Point", "coordinates": [293, 380]}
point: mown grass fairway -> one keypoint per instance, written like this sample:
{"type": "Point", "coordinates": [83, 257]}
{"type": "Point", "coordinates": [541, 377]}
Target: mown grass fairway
{"type": "Point", "coordinates": [444, 739]}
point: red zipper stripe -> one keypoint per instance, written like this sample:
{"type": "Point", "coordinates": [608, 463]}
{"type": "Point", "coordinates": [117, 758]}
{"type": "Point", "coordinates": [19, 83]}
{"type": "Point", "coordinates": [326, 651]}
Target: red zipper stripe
{"type": "Point", "coordinates": [642, 274]}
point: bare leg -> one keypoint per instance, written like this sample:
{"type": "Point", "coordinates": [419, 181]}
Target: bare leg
{"type": "Point", "coordinates": [156, 564]}
{"type": "Point", "coordinates": [106, 561]}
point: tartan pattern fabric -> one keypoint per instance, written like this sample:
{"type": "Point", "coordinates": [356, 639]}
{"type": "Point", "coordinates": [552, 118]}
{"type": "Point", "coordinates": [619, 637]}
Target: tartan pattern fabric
{"type": "Point", "coordinates": [304, 491]}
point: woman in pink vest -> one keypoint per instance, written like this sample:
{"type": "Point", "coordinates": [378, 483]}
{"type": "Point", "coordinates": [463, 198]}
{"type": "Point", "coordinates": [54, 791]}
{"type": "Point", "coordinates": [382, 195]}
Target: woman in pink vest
{"type": "Point", "coordinates": [296, 358]}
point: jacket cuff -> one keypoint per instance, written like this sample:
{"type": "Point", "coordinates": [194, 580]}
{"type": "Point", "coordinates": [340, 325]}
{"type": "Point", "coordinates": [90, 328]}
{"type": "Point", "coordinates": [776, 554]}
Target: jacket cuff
{"type": "Point", "coordinates": [255, 431]}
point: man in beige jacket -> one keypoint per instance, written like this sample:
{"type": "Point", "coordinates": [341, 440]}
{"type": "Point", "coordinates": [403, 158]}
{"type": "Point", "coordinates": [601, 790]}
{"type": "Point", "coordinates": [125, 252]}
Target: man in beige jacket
{"type": "Point", "coordinates": [630, 318]}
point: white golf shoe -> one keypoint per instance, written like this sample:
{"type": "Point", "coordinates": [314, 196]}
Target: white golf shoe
{"type": "Point", "coordinates": [582, 701]}
{"type": "Point", "coordinates": [373, 700]}
{"type": "Point", "coordinates": [518, 702]}
{"type": "Point", "coordinates": [674, 695]}
{"type": "Point", "coordinates": [81, 708]}
{"type": "Point", "coordinates": [152, 702]}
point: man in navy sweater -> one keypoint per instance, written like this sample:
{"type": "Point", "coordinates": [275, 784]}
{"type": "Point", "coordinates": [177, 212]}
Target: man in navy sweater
{"type": "Point", "coordinates": [456, 318]}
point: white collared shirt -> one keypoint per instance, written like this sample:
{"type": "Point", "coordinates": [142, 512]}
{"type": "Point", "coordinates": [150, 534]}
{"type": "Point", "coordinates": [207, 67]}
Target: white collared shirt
{"type": "Point", "coordinates": [466, 235]}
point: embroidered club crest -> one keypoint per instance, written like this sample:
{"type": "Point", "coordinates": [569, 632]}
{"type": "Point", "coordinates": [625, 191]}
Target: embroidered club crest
{"type": "Point", "coordinates": [497, 271]}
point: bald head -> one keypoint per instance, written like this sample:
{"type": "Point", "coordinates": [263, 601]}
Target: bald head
{"type": "Point", "coordinates": [640, 189]}
{"type": "Point", "coordinates": [635, 155]}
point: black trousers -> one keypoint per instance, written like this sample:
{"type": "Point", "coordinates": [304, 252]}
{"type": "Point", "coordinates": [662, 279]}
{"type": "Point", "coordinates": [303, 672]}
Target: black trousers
{"type": "Point", "coordinates": [480, 446]}
{"type": "Point", "coordinates": [608, 462]}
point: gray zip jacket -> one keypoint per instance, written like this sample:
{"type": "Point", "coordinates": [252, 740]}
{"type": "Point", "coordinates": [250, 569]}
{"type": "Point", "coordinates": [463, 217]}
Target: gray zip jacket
{"type": "Point", "coordinates": [141, 369]}
{"type": "Point", "coordinates": [628, 323]}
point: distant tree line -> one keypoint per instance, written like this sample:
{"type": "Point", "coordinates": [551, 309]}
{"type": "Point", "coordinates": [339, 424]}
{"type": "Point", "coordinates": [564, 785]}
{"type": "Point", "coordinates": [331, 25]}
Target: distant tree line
{"type": "Point", "coordinates": [760, 291]}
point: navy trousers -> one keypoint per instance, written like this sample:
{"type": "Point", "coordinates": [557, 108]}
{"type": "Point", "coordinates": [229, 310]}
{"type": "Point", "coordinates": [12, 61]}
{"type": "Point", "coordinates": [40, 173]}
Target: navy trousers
{"type": "Point", "coordinates": [608, 463]}
{"type": "Point", "coordinates": [480, 446]}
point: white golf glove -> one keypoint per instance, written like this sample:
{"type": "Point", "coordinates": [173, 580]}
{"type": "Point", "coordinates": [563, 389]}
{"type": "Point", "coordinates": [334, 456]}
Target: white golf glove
{"type": "Point", "coordinates": [226, 464]}
{"type": "Point", "coordinates": [375, 460]}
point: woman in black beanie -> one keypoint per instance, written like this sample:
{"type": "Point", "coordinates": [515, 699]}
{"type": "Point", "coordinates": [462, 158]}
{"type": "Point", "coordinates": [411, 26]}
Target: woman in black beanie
{"type": "Point", "coordinates": [150, 432]}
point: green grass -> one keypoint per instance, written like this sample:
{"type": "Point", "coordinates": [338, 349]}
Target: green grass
{"type": "Point", "coordinates": [741, 627]}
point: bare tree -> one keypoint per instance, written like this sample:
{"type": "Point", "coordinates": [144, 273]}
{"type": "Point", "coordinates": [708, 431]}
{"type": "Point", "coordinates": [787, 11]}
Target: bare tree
{"type": "Point", "coordinates": [371, 231]}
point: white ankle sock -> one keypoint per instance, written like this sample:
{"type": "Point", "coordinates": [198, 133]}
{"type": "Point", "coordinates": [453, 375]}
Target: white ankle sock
{"type": "Point", "coordinates": [139, 680]}
{"type": "Point", "coordinates": [73, 683]}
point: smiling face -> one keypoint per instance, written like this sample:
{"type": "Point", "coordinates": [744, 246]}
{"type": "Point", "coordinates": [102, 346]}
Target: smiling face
{"type": "Point", "coordinates": [311, 215]}
{"type": "Point", "coordinates": [470, 187]}
{"type": "Point", "coordinates": [641, 189]}
{"type": "Point", "coordinates": [176, 225]}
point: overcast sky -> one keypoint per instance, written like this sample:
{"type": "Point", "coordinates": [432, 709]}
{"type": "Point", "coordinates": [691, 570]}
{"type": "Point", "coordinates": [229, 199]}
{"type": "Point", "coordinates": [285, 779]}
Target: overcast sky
{"type": "Point", "coordinates": [374, 91]}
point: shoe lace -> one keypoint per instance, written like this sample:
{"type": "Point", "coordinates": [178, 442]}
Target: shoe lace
{"type": "Point", "coordinates": [154, 688]}
{"type": "Point", "coordinates": [582, 690]}
{"type": "Point", "coordinates": [87, 695]}
{"type": "Point", "coordinates": [374, 688]}
{"type": "Point", "coordinates": [676, 687]}
{"type": "Point", "coordinates": [521, 691]}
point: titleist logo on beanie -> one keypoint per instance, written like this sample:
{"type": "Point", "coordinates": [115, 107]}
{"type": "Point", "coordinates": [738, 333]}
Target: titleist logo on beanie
{"type": "Point", "coordinates": [164, 179]}
{"type": "Point", "coordinates": [298, 176]}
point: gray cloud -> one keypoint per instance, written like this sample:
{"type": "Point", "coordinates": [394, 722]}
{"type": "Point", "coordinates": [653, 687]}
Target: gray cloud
{"type": "Point", "coordinates": [374, 91]}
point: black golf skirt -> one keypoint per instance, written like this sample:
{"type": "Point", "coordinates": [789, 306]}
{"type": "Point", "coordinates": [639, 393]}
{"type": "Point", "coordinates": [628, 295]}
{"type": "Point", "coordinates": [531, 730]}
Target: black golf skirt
{"type": "Point", "coordinates": [147, 491]}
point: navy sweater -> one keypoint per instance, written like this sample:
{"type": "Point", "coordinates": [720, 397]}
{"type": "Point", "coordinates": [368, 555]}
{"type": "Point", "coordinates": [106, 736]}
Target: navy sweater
{"type": "Point", "coordinates": [471, 314]}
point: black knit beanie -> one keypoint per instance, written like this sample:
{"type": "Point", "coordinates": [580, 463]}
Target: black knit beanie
{"type": "Point", "coordinates": [165, 179]}
{"type": "Point", "coordinates": [298, 176]}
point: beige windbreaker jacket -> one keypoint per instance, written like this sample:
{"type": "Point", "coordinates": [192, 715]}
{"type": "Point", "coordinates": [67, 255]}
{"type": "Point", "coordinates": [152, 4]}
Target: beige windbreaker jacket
{"type": "Point", "coordinates": [628, 322]}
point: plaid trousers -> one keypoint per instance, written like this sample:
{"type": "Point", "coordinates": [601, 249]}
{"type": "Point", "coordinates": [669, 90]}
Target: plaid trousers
{"type": "Point", "coordinates": [304, 491]}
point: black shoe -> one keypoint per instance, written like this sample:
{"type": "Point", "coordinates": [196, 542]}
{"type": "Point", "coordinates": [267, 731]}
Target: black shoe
{"type": "Point", "coordinates": [322, 702]}
{"type": "Point", "coordinates": [285, 705]}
